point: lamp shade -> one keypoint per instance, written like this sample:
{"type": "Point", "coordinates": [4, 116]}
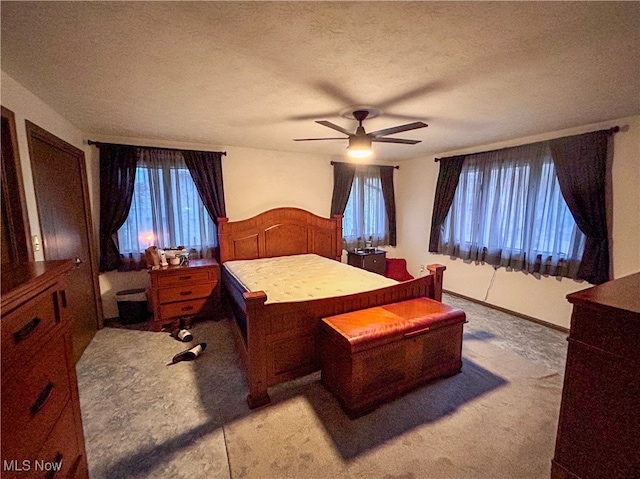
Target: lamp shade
{"type": "Point", "coordinates": [359, 146]}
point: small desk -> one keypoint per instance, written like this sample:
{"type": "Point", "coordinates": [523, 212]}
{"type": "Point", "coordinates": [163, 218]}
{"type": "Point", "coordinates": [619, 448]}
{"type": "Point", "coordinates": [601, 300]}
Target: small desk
{"type": "Point", "coordinates": [374, 261]}
{"type": "Point", "coordinates": [183, 292]}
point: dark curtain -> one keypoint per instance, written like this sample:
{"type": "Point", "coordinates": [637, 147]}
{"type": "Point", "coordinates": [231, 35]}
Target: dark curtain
{"type": "Point", "coordinates": [448, 179]}
{"type": "Point", "coordinates": [386, 179]}
{"type": "Point", "coordinates": [343, 174]}
{"type": "Point", "coordinates": [581, 166]}
{"type": "Point", "coordinates": [117, 179]}
{"type": "Point", "coordinates": [206, 170]}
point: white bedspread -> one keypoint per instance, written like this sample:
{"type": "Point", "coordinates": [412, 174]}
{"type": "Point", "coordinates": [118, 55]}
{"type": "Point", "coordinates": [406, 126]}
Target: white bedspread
{"type": "Point", "coordinates": [303, 277]}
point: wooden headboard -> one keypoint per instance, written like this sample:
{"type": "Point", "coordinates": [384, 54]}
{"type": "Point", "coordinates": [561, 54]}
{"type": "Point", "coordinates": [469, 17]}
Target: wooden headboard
{"type": "Point", "coordinates": [280, 232]}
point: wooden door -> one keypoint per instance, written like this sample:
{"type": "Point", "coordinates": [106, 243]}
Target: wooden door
{"type": "Point", "coordinates": [16, 236]}
{"type": "Point", "coordinates": [60, 180]}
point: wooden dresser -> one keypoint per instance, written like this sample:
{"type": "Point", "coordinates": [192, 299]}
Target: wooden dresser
{"type": "Point", "coordinates": [374, 261]}
{"type": "Point", "coordinates": [599, 428]}
{"type": "Point", "coordinates": [41, 423]}
{"type": "Point", "coordinates": [183, 292]}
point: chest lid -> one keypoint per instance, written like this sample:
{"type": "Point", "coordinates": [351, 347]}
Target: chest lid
{"type": "Point", "coordinates": [372, 327]}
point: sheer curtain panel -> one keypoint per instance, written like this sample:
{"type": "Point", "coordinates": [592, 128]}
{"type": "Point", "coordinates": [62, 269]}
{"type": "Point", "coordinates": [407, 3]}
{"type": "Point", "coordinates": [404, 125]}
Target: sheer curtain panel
{"type": "Point", "coordinates": [166, 209]}
{"type": "Point", "coordinates": [365, 214]}
{"type": "Point", "coordinates": [508, 210]}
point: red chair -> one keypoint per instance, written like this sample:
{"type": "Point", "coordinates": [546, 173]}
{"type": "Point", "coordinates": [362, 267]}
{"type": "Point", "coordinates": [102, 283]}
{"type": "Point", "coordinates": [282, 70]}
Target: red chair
{"type": "Point", "coordinates": [396, 268]}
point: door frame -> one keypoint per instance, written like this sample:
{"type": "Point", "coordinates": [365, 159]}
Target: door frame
{"type": "Point", "coordinates": [19, 228]}
{"type": "Point", "coordinates": [36, 132]}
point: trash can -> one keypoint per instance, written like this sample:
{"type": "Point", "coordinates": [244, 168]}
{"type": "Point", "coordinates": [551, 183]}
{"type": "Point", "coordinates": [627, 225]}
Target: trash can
{"type": "Point", "coordinates": [132, 305]}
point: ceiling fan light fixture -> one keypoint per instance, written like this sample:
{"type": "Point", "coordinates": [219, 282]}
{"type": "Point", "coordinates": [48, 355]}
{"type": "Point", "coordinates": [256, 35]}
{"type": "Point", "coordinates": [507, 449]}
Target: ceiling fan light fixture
{"type": "Point", "coordinates": [359, 146]}
{"type": "Point", "coordinates": [358, 153]}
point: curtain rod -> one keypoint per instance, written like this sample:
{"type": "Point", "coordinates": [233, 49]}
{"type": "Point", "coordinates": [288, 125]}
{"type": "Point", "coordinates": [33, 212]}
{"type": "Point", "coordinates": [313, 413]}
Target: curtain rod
{"type": "Point", "coordinates": [334, 162]}
{"type": "Point", "coordinates": [97, 143]}
{"type": "Point", "coordinates": [611, 131]}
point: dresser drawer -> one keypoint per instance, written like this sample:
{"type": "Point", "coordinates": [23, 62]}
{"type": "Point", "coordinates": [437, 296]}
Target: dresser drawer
{"type": "Point", "coordinates": [61, 450]}
{"type": "Point", "coordinates": [33, 400]}
{"type": "Point", "coordinates": [182, 277]}
{"type": "Point", "coordinates": [24, 329]}
{"type": "Point", "coordinates": [605, 330]}
{"type": "Point", "coordinates": [187, 292]}
{"type": "Point", "coordinates": [182, 308]}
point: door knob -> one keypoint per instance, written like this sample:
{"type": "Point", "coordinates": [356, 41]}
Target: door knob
{"type": "Point", "coordinates": [78, 261]}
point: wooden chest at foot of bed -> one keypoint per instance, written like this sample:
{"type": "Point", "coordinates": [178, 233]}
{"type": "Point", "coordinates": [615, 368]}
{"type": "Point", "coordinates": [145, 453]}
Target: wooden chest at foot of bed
{"type": "Point", "coordinates": [376, 354]}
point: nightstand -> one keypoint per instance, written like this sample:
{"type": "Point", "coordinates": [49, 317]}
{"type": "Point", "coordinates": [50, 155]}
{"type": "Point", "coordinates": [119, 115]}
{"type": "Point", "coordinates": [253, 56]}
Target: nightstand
{"type": "Point", "coordinates": [374, 261]}
{"type": "Point", "coordinates": [180, 293]}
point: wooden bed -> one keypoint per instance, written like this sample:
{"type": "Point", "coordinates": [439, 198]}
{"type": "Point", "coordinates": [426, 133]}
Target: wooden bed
{"type": "Point", "coordinates": [279, 341]}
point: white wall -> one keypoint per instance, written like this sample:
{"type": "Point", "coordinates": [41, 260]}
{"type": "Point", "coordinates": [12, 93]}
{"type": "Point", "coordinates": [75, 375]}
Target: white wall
{"type": "Point", "coordinates": [541, 298]}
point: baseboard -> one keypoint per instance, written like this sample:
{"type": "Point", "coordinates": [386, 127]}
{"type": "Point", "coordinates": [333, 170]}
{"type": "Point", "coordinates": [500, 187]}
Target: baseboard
{"type": "Point", "coordinates": [512, 313]}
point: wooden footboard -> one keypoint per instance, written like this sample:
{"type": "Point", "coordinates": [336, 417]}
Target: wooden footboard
{"type": "Point", "coordinates": [279, 341]}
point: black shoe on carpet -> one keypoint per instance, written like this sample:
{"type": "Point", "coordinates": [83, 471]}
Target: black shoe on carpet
{"type": "Point", "coordinates": [182, 335]}
{"type": "Point", "coordinates": [189, 354]}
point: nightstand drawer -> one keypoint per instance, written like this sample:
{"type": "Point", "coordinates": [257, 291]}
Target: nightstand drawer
{"type": "Point", "coordinates": [182, 277]}
{"type": "Point", "coordinates": [24, 328]}
{"type": "Point", "coordinates": [179, 293]}
{"type": "Point", "coordinates": [32, 402]}
{"type": "Point", "coordinates": [170, 295]}
{"type": "Point", "coordinates": [182, 308]}
{"type": "Point", "coordinates": [375, 263]}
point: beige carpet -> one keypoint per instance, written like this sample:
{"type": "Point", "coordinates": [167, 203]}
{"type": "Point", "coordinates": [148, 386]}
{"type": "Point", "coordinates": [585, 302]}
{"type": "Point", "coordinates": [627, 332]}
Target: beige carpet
{"type": "Point", "coordinates": [143, 419]}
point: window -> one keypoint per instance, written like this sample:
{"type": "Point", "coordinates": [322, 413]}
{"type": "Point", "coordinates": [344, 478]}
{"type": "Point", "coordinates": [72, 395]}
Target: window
{"type": "Point", "coordinates": [508, 211]}
{"type": "Point", "coordinates": [365, 214]}
{"type": "Point", "coordinates": [166, 209]}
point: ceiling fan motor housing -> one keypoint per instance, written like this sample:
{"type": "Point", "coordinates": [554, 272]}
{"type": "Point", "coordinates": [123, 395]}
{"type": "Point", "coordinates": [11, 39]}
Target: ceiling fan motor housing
{"type": "Point", "coordinates": [359, 142]}
{"type": "Point", "coordinates": [361, 115]}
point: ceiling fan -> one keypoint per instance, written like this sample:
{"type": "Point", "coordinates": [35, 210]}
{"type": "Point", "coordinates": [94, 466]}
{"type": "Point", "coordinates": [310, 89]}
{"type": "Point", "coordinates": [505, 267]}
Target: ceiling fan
{"type": "Point", "coordinates": [360, 141]}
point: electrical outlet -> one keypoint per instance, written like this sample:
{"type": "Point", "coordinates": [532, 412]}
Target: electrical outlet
{"type": "Point", "coordinates": [422, 268]}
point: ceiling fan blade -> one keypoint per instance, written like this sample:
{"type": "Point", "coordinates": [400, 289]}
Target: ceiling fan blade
{"type": "Point", "coordinates": [314, 139]}
{"type": "Point", "coordinates": [336, 92]}
{"type": "Point", "coordinates": [412, 94]}
{"type": "Point", "coordinates": [313, 116]}
{"type": "Point", "coordinates": [396, 140]}
{"type": "Point", "coordinates": [334, 126]}
{"type": "Point", "coordinates": [398, 129]}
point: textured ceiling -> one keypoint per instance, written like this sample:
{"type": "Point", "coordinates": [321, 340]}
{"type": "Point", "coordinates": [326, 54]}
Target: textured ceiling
{"type": "Point", "coordinates": [257, 74]}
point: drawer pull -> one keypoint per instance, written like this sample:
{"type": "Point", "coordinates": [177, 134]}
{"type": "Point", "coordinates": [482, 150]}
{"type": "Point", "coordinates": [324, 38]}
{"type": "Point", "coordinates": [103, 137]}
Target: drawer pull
{"type": "Point", "coordinates": [57, 465]}
{"type": "Point", "coordinates": [187, 308]}
{"type": "Point", "coordinates": [27, 330]}
{"type": "Point", "coordinates": [185, 293]}
{"type": "Point", "coordinates": [42, 399]}
{"type": "Point", "coordinates": [184, 278]}
{"type": "Point", "coordinates": [417, 332]}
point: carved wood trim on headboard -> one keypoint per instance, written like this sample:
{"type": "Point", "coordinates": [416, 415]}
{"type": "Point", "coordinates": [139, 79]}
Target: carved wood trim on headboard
{"type": "Point", "coordinates": [280, 232]}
